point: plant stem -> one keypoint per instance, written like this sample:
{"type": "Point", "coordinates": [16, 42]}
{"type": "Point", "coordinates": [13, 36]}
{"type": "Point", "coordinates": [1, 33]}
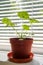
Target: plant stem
{"type": "Point", "coordinates": [16, 31]}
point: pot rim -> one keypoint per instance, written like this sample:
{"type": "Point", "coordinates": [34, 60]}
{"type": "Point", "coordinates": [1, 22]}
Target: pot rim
{"type": "Point", "coordinates": [22, 39]}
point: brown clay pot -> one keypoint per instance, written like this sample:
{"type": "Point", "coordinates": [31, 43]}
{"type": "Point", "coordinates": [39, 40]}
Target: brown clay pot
{"type": "Point", "coordinates": [21, 48]}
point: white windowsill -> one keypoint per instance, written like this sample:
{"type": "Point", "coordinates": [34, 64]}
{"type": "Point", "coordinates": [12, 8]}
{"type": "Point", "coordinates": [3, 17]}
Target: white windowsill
{"type": "Point", "coordinates": [37, 59]}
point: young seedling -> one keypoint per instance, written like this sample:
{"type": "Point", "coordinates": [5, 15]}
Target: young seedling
{"type": "Point", "coordinates": [23, 15]}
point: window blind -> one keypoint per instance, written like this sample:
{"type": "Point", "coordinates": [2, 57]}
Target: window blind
{"type": "Point", "coordinates": [9, 8]}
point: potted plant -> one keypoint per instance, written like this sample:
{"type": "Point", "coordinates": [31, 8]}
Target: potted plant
{"type": "Point", "coordinates": [21, 46]}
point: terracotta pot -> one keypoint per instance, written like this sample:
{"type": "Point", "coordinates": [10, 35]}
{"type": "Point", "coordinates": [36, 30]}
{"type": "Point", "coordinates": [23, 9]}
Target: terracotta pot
{"type": "Point", "coordinates": [21, 47]}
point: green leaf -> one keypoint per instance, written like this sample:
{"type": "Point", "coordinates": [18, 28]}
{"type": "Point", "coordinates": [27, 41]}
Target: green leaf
{"type": "Point", "coordinates": [23, 14]}
{"type": "Point", "coordinates": [33, 21]}
{"type": "Point", "coordinates": [26, 27]}
{"type": "Point", "coordinates": [8, 22]}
